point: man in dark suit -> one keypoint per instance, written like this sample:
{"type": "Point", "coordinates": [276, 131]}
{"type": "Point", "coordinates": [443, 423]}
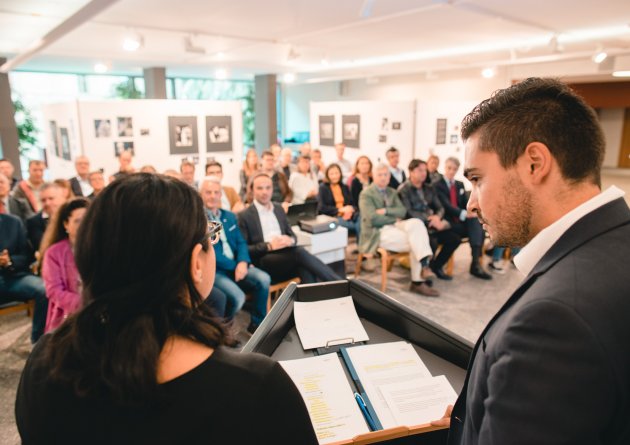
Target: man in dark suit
{"type": "Point", "coordinates": [52, 198]}
{"type": "Point", "coordinates": [80, 184]}
{"type": "Point", "coordinates": [453, 197]}
{"type": "Point", "coordinates": [396, 175]}
{"type": "Point", "coordinates": [271, 242]}
{"type": "Point", "coordinates": [552, 365]}
{"type": "Point", "coordinates": [16, 282]}
{"type": "Point", "coordinates": [11, 205]}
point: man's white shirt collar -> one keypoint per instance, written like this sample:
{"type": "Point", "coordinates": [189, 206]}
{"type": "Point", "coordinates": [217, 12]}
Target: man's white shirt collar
{"type": "Point", "coordinates": [533, 252]}
{"type": "Point", "coordinates": [262, 208]}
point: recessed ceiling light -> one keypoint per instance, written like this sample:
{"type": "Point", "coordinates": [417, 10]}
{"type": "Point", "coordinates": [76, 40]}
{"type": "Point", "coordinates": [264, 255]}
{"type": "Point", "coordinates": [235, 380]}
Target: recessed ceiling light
{"type": "Point", "coordinates": [488, 73]}
{"type": "Point", "coordinates": [325, 62]}
{"type": "Point", "coordinates": [132, 42]}
{"type": "Point", "coordinates": [288, 78]}
{"type": "Point", "coordinates": [100, 68]}
{"type": "Point", "coordinates": [621, 74]}
{"type": "Point", "coordinates": [220, 55]}
{"type": "Point", "coordinates": [600, 57]}
{"type": "Point", "coordinates": [220, 74]}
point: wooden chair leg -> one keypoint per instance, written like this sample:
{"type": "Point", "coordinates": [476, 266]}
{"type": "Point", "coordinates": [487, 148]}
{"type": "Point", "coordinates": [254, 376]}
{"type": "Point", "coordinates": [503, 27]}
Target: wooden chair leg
{"type": "Point", "coordinates": [357, 269]}
{"type": "Point", "coordinates": [384, 268]}
{"type": "Point", "coordinates": [450, 265]}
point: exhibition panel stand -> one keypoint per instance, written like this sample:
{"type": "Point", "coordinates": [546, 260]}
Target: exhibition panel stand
{"type": "Point", "coordinates": [385, 320]}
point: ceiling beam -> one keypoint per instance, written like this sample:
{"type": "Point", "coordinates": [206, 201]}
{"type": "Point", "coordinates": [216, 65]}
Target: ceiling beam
{"type": "Point", "coordinates": [78, 18]}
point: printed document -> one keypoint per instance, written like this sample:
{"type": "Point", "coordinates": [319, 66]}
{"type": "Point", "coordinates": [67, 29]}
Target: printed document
{"type": "Point", "coordinates": [419, 401]}
{"type": "Point", "coordinates": [328, 397]}
{"type": "Point", "coordinates": [328, 322]}
{"type": "Point", "coordinates": [382, 364]}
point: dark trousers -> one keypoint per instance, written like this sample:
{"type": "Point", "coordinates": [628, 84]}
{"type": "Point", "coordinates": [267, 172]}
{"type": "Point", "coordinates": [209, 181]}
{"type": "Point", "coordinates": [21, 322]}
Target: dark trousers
{"type": "Point", "coordinates": [449, 241]}
{"type": "Point", "coordinates": [284, 264]}
{"type": "Point", "coordinates": [474, 231]}
{"type": "Point", "coordinates": [24, 287]}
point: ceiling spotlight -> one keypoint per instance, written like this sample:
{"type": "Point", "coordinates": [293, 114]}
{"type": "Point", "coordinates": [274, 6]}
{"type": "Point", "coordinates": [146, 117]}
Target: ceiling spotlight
{"type": "Point", "coordinates": [289, 78]}
{"type": "Point", "coordinates": [600, 57]}
{"type": "Point", "coordinates": [132, 42]}
{"type": "Point", "coordinates": [488, 73]}
{"type": "Point", "coordinates": [220, 55]}
{"type": "Point", "coordinates": [621, 74]}
{"type": "Point", "coordinates": [325, 62]}
{"type": "Point", "coordinates": [100, 68]}
{"type": "Point", "coordinates": [220, 74]}
{"type": "Point", "coordinates": [191, 47]}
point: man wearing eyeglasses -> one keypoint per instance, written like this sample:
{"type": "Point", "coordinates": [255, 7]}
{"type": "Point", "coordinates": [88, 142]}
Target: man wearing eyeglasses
{"type": "Point", "coordinates": [235, 275]}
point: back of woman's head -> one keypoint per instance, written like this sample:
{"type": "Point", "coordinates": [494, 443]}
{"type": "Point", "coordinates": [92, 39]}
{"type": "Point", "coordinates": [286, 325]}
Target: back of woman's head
{"type": "Point", "coordinates": [133, 253]}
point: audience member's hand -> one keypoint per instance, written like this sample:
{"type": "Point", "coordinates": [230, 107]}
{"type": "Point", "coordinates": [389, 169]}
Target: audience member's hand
{"type": "Point", "coordinates": [347, 209]}
{"type": "Point", "coordinates": [285, 206]}
{"type": "Point", "coordinates": [241, 271]}
{"type": "Point", "coordinates": [446, 418]}
{"type": "Point", "coordinates": [381, 211]}
{"type": "Point", "coordinates": [312, 193]}
{"type": "Point", "coordinates": [434, 221]}
{"type": "Point", "coordinates": [287, 240]}
{"type": "Point", "coordinates": [238, 207]}
{"type": "Point", "coordinates": [346, 216]}
{"type": "Point", "coordinates": [4, 258]}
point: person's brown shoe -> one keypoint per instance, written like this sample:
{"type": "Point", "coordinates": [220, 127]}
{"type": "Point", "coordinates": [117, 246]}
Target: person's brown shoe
{"type": "Point", "coordinates": [423, 289]}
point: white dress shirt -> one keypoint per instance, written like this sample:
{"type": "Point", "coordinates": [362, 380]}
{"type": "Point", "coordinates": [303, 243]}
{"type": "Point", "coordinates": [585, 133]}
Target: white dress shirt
{"type": "Point", "coordinates": [268, 221]}
{"type": "Point", "coordinates": [533, 252]}
{"type": "Point", "coordinates": [86, 188]}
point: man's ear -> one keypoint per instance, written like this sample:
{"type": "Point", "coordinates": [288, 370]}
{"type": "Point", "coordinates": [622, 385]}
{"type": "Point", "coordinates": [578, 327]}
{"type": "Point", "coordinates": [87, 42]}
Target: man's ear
{"type": "Point", "coordinates": [537, 161]}
{"type": "Point", "coordinates": [195, 265]}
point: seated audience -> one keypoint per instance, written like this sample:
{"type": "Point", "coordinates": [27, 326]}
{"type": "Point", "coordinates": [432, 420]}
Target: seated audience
{"type": "Point", "coordinates": [303, 182]}
{"type": "Point", "coordinates": [275, 150]}
{"type": "Point", "coordinates": [422, 202]}
{"type": "Point", "coordinates": [397, 175]}
{"type": "Point", "coordinates": [235, 273]}
{"type": "Point", "coordinates": [66, 189]}
{"type": "Point", "coordinates": [30, 189]}
{"type": "Point", "coordinates": [172, 173]}
{"type": "Point", "coordinates": [97, 181]}
{"type": "Point", "coordinates": [497, 265]}
{"type": "Point", "coordinates": [7, 169]}
{"type": "Point", "coordinates": [125, 158]}
{"type": "Point", "coordinates": [361, 178]}
{"type": "Point", "coordinates": [286, 162]}
{"type": "Point", "coordinates": [305, 149]}
{"type": "Point", "coordinates": [271, 241]}
{"type": "Point", "coordinates": [344, 164]}
{"type": "Point", "coordinates": [382, 225]}
{"type": "Point", "coordinates": [10, 204]}
{"type": "Point", "coordinates": [229, 198]}
{"type": "Point", "coordinates": [317, 165]}
{"type": "Point", "coordinates": [143, 361]}
{"type": "Point", "coordinates": [334, 199]}
{"type": "Point", "coordinates": [81, 183]}
{"type": "Point", "coordinates": [432, 165]}
{"type": "Point", "coordinates": [282, 193]}
{"type": "Point", "coordinates": [16, 280]}
{"type": "Point", "coordinates": [453, 197]}
{"type": "Point", "coordinates": [58, 269]}
{"type": "Point", "coordinates": [250, 166]}
{"type": "Point", "coordinates": [148, 169]}
{"type": "Point", "coordinates": [52, 198]}
{"type": "Point", "coordinates": [187, 171]}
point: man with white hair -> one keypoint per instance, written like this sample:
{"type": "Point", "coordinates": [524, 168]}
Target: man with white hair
{"type": "Point", "coordinates": [80, 184]}
{"type": "Point", "coordinates": [382, 225]}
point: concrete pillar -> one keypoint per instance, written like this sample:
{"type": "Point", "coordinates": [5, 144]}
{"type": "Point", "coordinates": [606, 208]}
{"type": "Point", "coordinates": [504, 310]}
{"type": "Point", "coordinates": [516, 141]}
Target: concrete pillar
{"type": "Point", "coordinates": [155, 83]}
{"type": "Point", "coordinates": [266, 112]}
{"type": "Point", "coordinates": [8, 130]}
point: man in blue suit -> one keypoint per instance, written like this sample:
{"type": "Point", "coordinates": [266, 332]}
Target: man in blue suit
{"type": "Point", "coordinates": [16, 281]}
{"type": "Point", "coordinates": [552, 365]}
{"type": "Point", "coordinates": [235, 274]}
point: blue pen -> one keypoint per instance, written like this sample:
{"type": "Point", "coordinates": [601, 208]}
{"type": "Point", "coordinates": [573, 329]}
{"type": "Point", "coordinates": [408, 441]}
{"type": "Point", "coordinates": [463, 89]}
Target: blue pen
{"type": "Point", "coordinates": [365, 412]}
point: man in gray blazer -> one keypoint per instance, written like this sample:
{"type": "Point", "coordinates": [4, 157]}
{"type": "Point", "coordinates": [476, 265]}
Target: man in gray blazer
{"type": "Point", "coordinates": [553, 365]}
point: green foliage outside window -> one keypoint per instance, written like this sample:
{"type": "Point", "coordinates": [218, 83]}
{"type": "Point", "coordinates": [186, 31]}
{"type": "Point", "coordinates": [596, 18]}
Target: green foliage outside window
{"type": "Point", "coordinates": [27, 131]}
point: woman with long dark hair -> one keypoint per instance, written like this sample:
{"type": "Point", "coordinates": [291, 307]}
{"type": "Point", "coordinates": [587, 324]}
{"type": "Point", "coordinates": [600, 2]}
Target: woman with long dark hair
{"type": "Point", "coordinates": [143, 361]}
{"type": "Point", "coordinates": [59, 270]}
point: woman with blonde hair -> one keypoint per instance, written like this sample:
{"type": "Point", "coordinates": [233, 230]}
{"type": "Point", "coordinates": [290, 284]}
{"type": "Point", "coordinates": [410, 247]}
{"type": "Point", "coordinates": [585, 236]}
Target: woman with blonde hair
{"type": "Point", "coordinates": [250, 166]}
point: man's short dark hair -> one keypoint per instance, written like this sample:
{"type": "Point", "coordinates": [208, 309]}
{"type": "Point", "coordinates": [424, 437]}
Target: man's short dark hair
{"type": "Point", "coordinates": [186, 163]}
{"type": "Point", "coordinates": [391, 150]}
{"type": "Point", "coordinates": [266, 153]}
{"type": "Point", "coordinates": [545, 111]}
{"type": "Point", "coordinates": [213, 164]}
{"type": "Point", "coordinates": [415, 163]}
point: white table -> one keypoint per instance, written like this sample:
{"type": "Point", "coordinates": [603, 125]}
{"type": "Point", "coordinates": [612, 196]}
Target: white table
{"type": "Point", "coordinates": [330, 247]}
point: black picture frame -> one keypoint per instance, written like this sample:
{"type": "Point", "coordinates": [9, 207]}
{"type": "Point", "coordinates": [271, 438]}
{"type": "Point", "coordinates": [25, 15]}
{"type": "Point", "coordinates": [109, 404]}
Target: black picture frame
{"type": "Point", "coordinates": [440, 132]}
{"type": "Point", "coordinates": [351, 130]}
{"type": "Point", "coordinates": [120, 146]}
{"type": "Point", "coordinates": [65, 143]}
{"type": "Point", "coordinates": [182, 132]}
{"type": "Point", "coordinates": [218, 133]}
{"type": "Point", "coordinates": [102, 128]}
{"type": "Point", "coordinates": [55, 137]}
{"type": "Point", "coordinates": [125, 127]}
{"type": "Point", "coordinates": [327, 131]}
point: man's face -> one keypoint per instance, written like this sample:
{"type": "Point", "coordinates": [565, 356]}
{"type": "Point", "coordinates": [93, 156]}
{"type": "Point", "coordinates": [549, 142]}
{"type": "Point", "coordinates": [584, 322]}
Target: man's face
{"type": "Point", "coordinates": [188, 174]}
{"type": "Point", "coordinates": [418, 175]}
{"type": "Point", "coordinates": [285, 158]}
{"type": "Point", "coordinates": [304, 165]}
{"type": "Point", "coordinates": [432, 164]}
{"type": "Point", "coordinates": [263, 189]}
{"type": "Point", "coordinates": [82, 165]}
{"type": "Point", "coordinates": [393, 157]}
{"type": "Point", "coordinates": [499, 198]}
{"type": "Point", "coordinates": [36, 172]}
{"type": "Point", "coordinates": [268, 162]}
{"type": "Point", "coordinates": [381, 178]}
{"type": "Point", "coordinates": [316, 156]}
{"type": "Point", "coordinates": [340, 148]}
{"type": "Point", "coordinates": [5, 186]}
{"type": "Point", "coordinates": [125, 159]}
{"type": "Point", "coordinates": [97, 181]}
{"type": "Point", "coordinates": [211, 195]}
{"type": "Point", "coordinates": [214, 170]}
{"type": "Point", "coordinates": [450, 169]}
{"type": "Point", "coordinates": [6, 168]}
{"type": "Point", "coordinates": [52, 198]}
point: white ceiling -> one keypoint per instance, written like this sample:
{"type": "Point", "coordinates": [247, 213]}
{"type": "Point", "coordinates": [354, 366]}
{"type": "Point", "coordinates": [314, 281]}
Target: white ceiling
{"type": "Point", "coordinates": [354, 38]}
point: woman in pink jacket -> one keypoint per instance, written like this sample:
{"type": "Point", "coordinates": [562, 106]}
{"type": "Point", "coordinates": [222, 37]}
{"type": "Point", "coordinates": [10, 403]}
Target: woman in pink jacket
{"type": "Point", "coordinates": [59, 271]}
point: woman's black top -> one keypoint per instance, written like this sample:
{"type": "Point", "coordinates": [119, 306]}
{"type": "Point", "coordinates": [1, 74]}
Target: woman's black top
{"type": "Point", "coordinates": [326, 201]}
{"type": "Point", "coordinates": [230, 398]}
{"type": "Point", "coordinates": [356, 187]}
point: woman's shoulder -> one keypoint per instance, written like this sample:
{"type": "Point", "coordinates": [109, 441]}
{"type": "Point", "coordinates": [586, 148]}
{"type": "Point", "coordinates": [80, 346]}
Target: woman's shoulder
{"type": "Point", "coordinates": [60, 248]}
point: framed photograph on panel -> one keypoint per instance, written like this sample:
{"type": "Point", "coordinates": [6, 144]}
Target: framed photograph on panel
{"type": "Point", "coordinates": [125, 127]}
{"type": "Point", "coordinates": [102, 128]}
{"type": "Point", "coordinates": [218, 133]}
{"type": "Point", "coordinates": [327, 131]}
{"type": "Point", "coordinates": [55, 137]}
{"type": "Point", "coordinates": [351, 130]}
{"type": "Point", "coordinates": [120, 146]}
{"type": "Point", "coordinates": [65, 144]}
{"type": "Point", "coordinates": [440, 132]}
{"type": "Point", "coordinates": [183, 134]}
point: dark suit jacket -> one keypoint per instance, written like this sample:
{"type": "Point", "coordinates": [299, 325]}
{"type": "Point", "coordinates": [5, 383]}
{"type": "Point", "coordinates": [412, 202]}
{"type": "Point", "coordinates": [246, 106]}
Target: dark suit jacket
{"type": "Point", "coordinates": [20, 208]}
{"type": "Point", "coordinates": [553, 365]}
{"type": "Point", "coordinates": [444, 194]}
{"type": "Point", "coordinates": [235, 240]}
{"type": "Point", "coordinates": [35, 227]}
{"type": "Point", "coordinates": [326, 201]}
{"type": "Point", "coordinates": [13, 238]}
{"type": "Point", "coordinates": [76, 187]}
{"type": "Point", "coordinates": [249, 222]}
{"type": "Point", "coordinates": [393, 182]}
